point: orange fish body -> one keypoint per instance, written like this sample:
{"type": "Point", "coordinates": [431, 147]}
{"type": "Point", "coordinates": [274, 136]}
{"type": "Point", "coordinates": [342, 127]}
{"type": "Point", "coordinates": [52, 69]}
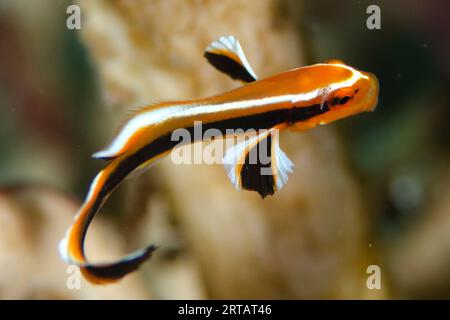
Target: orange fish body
{"type": "Point", "coordinates": [298, 99]}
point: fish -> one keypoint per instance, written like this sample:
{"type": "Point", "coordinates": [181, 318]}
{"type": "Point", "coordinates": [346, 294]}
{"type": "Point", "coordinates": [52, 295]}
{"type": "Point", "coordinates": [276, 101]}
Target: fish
{"type": "Point", "coordinates": [297, 100]}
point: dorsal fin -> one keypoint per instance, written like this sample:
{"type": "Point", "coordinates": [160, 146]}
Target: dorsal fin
{"type": "Point", "coordinates": [227, 56]}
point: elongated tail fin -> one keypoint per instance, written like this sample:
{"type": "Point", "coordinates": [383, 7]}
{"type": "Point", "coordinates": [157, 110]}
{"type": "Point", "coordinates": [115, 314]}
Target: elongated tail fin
{"type": "Point", "coordinates": [71, 248]}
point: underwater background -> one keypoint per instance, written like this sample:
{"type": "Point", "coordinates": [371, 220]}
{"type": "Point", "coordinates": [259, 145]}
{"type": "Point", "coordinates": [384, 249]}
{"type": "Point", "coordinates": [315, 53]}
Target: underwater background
{"type": "Point", "coordinates": [370, 190]}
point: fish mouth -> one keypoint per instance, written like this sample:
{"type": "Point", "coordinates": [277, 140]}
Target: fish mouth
{"type": "Point", "coordinates": [373, 92]}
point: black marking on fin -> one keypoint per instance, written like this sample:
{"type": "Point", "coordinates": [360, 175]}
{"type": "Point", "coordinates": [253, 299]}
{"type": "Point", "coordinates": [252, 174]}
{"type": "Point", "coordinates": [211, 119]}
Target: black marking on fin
{"type": "Point", "coordinates": [251, 177]}
{"type": "Point", "coordinates": [123, 267]}
{"type": "Point", "coordinates": [229, 66]}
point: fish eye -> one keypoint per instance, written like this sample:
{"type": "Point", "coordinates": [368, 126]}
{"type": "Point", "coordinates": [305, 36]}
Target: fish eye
{"type": "Point", "coordinates": [340, 100]}
{"type": "Point", "coordinates": [343, 100]}
{"type": "Point", "coordinates": [343, 96]}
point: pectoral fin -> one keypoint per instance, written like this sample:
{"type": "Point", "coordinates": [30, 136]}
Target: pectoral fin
{"type": "Point", "coordinates": [258, 164]}
{"type": "Point", "coordinates": [227, 56]}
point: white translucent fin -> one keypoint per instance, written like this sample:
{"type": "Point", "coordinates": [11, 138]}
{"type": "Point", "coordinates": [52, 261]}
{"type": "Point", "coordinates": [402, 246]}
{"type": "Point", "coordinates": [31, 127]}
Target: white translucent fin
{"type": "Point", "coordinates": [103, 154]}
{"type": "Point", "coordinates": [232, 48]}
{"type": "Point", "coordinates": [282, 166]}
{"type": "Point", "coordinates": [235, 155]}
{"type": "Point", "coordinates": [232, 157]}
